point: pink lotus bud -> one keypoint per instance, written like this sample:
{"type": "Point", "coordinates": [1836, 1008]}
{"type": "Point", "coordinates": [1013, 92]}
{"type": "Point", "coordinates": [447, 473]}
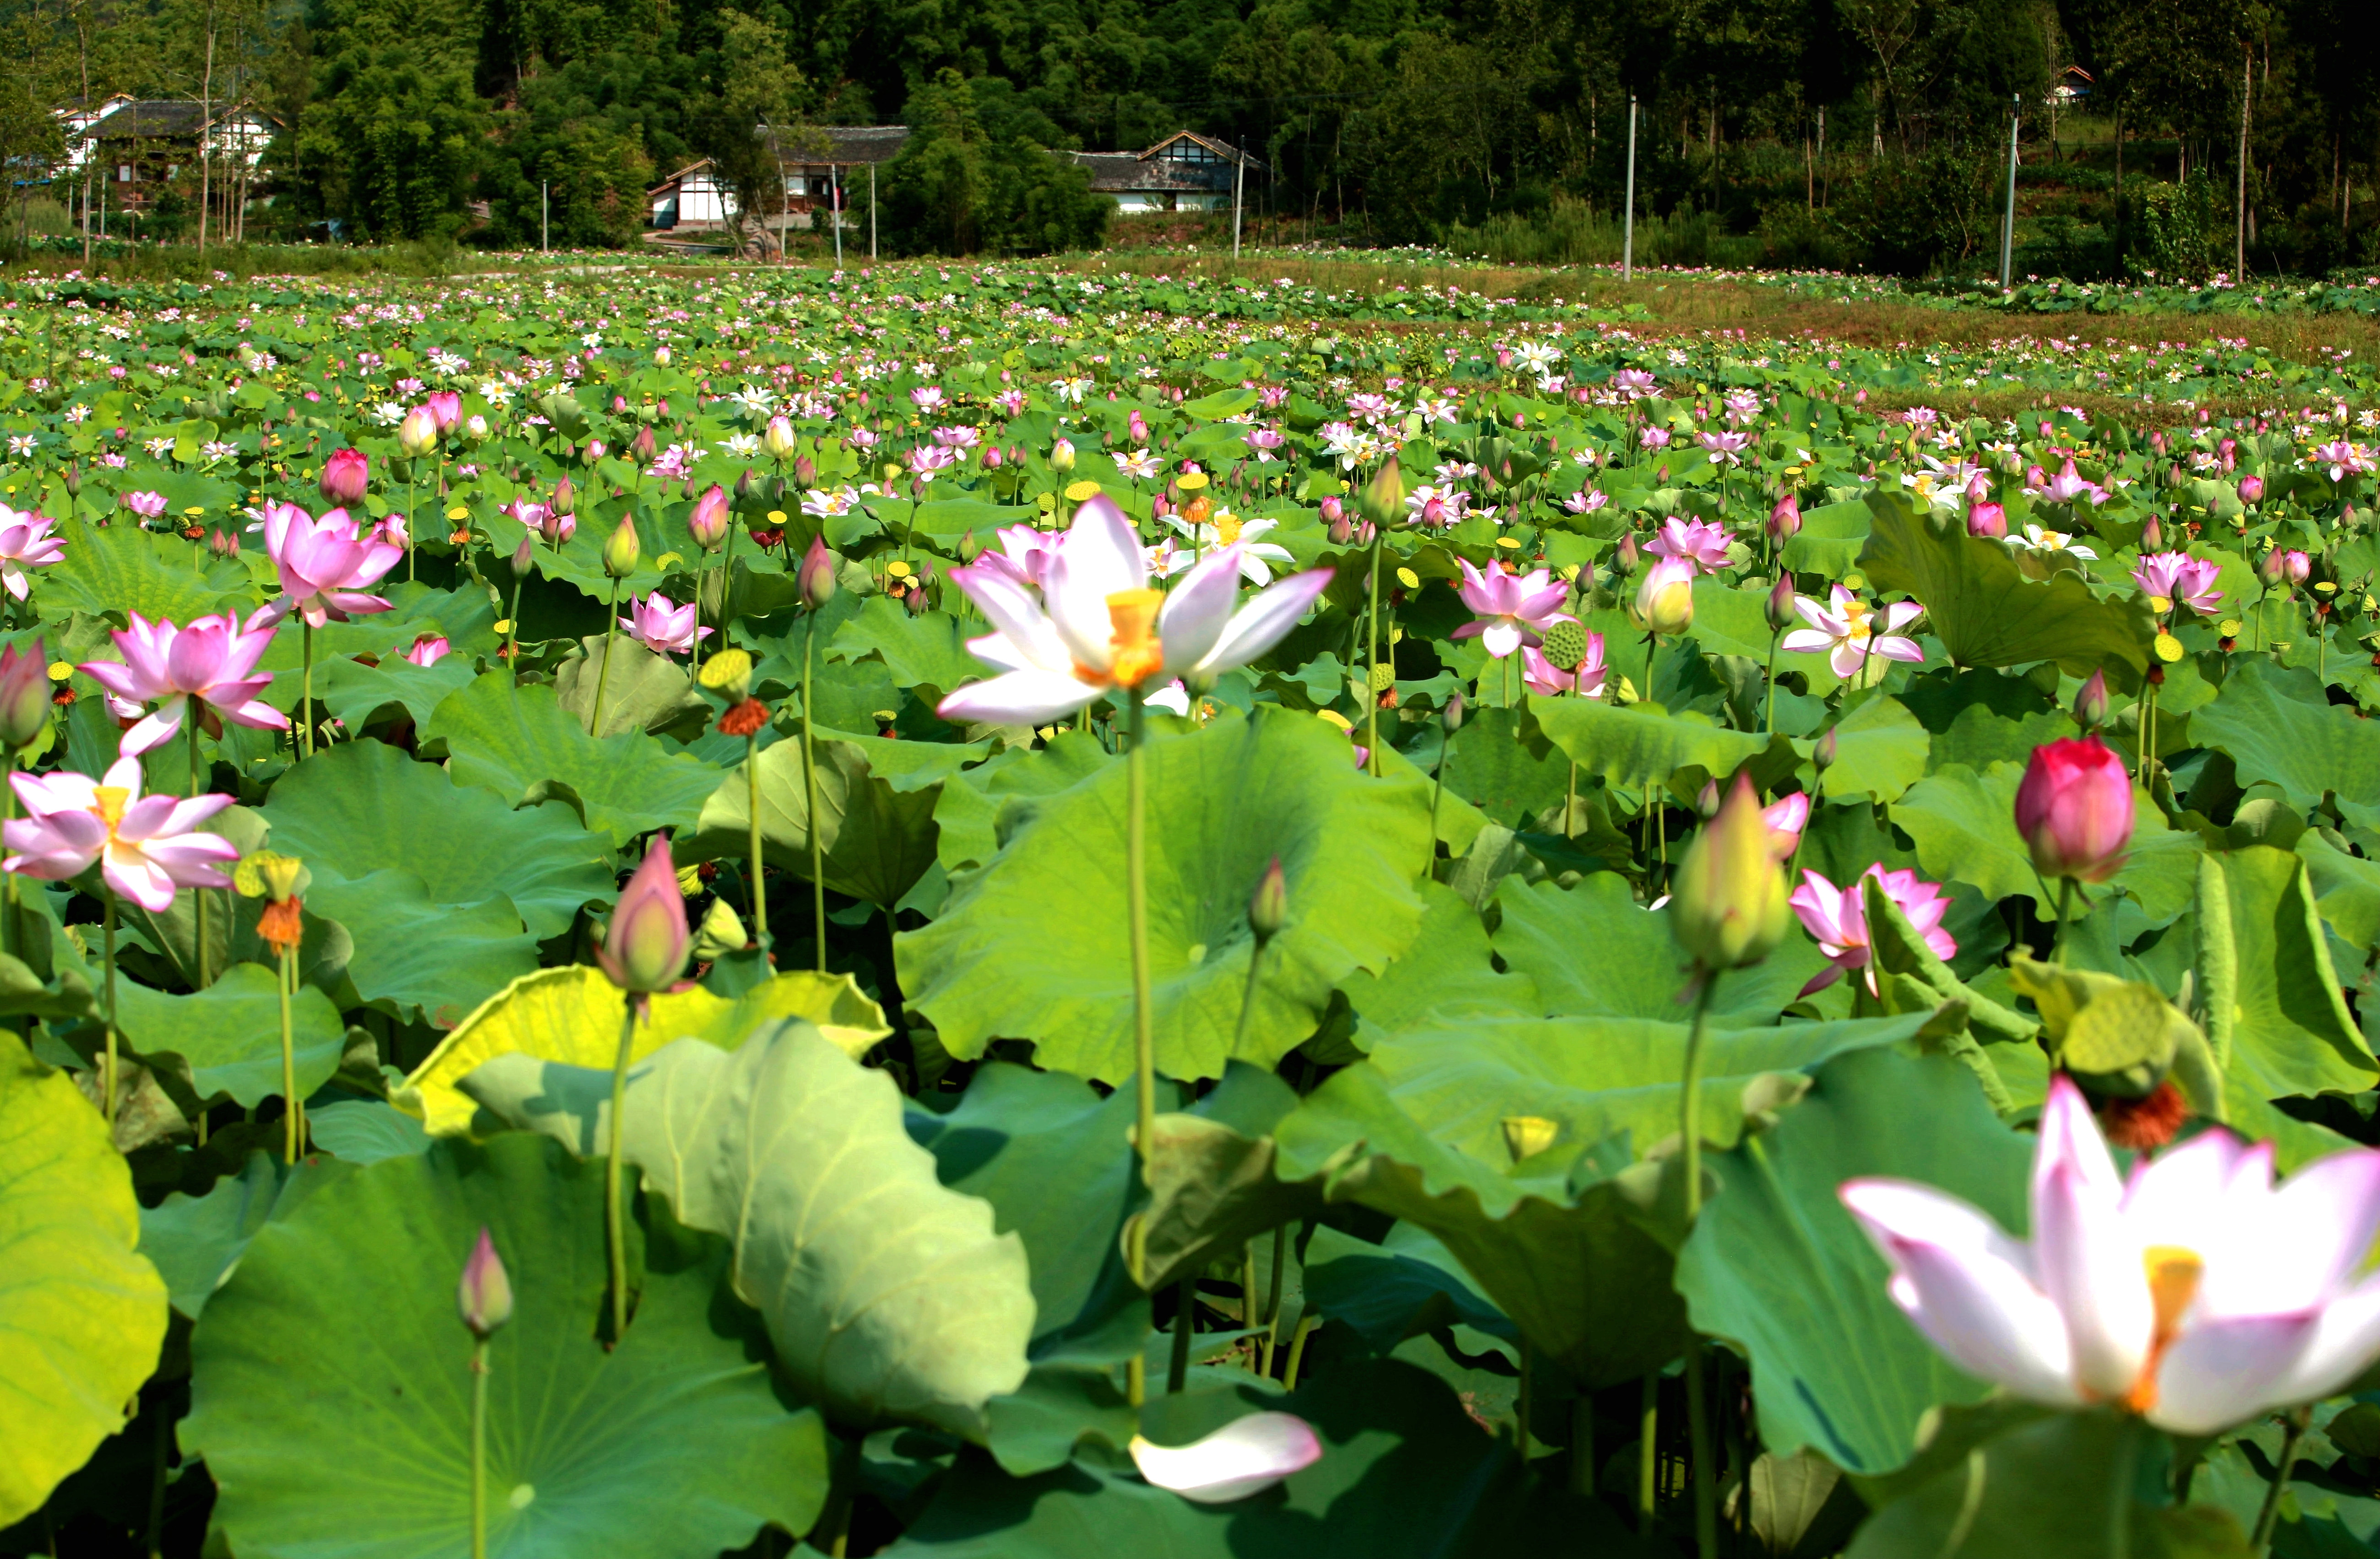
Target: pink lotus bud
{"type": "Point", "coordinates": [1778, 608]}
{"type": "Point", "coordinates": [431, 649]}
{"type": "Point", "coordinates": [2296, 565]}
{"type": "Point", "coordinates": [345, 476]}
{"type": "Point", "coordinates": [2074, 808]}
{"type": "Point", "coordinates": [1986, 519]}
{"type": "Point", "coordinates": [446, 410]}
{"type": "Point", "coordinates": [1138, 429]}
{"type": "Point", "coordinates": [992, 457]}
{"type": "Point", "coordinates": [1269, 907]}
{"type": "Point", "coordinates": [2152, 534]}
{"type": "Point", "coordinates": [1245, 1456]}
{"type": "Point", "coordinates": [619, 406]}
{"type": "Point", "coordinates": [2091, 703]}
{"type": "Point", "coordinates": [1625, 561]}
{"type": "Point", "coordinates": [418, 434]}
{"type": "Point", "coordinates": [1785, 520]}
{"type": "Point", "coordinates": [566, 497]}
{"type": "Point", "coordinates": [2275, 568]}
{"type": "Point", "coordinates": [644, 948]}
{"type": "Point", "coordinates": [641, 446]}
{"type": "Point", "coordinates": [24, 695]}
{"type": "Point", "coordinates": [595, 451]}
{"type": "Point", "coordinates": [2251, 489]}
{"type": "Point", "coordinates": [817, 577]}
{"type": "Point", "coordinates": [1333, 510]}
{"type": "Point", "coordinates": [708, 523]}
{"type": "Point", "coordinates": [523, 555]}
{"type": "Point", "coordinates": [485, 1295]}
{"type": "Point", "coordinates": [1728, 903]}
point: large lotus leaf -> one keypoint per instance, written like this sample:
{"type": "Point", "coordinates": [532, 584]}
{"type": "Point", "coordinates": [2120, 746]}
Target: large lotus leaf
{"type": "Point", "coordinates": [323, 950]}
{"type": "Point", "coordinates": [2291, 1031]}
{"type": "Point", "coordinates": [1212, 1180]}
{"type": "Point", "coordinates": [431, 962]}
{"type": "Point", "coordinates": [463, 617]}
{"type": "Point", "coordinates": [967, 813]}
{"type": "Point", "coordinates": [334, 1344]}
{"type": "Point", "coordinates": [1775, 1265]}
{"type": "Point", "coordinates": [875, 841]}
{"type": "Point", "coordinates": [1983, 608]}
{"type": "Point", "coordinates": [642, 692]}
{"type": "Point", "coordinates": [123, 569]}
{"type": "Point", "coordinates": [1035, 945]}
{"type": "Point", "coordinates": [196, 1240]}
{"type": "Point", "coordinates": [2279, 729]}
{"type": "Point", "coordinates": [1404, 1473]}
{"type": "Point", "coordinates": [1592, 951]}
{"type": "Point", "coordinates": [517, 743]}
{"type": "Point", "coordinates": [1404, 1285]}
{"type": "Point", "coordinates": [1880, 750]}
{"type": "Point", "coordinates": [888, 1294]}
{"type": "Point", "coordinates": [359, 807]}
{"type": "Point", "coordinates": [2346, 888]}
{"type": "Point", "coordinates": [353, 692]}
{"type": "Point", "coordinates": [573, 1016]}
{"type": "Point", "coordinates": [1509, 779]}
{"type": "Point", "coordinates": [926, 653]}
{"type": "Point", "coordinates": [1733, 620]}
{"type": "Point", "coordinates": [229, 1034]}
{"type": "Point", "coordinates": [1964, 825]}
{"type": "Point", "coordinates": [1054, 1159]}
{"type": "Point", "coordinates": [364, 1130]}
{"type": "Point", "coordinates": [1638, 744]}
{"type": "Point", "coordinates": [1450, 968]}
{"type": "Point", "coordinates": [82, 1313]}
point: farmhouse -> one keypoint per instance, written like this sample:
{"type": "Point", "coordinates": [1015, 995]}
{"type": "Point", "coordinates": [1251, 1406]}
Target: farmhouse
{"type": "Point", "coordinates": [816, 160]}
{"type": "Point", "coordinates": [1185, 172]}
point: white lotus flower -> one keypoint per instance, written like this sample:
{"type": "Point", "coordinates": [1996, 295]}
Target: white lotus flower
{"type": "Point", "coordinates": [1245, 1456]}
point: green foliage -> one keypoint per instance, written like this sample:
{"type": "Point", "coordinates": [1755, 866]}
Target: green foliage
{"type": "Point", "coordinates": [978, 173]}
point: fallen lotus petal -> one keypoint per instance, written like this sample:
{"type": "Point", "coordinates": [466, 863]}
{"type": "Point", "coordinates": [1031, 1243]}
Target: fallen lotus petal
{"type": "Point", "coordinates": [1245, 1456]}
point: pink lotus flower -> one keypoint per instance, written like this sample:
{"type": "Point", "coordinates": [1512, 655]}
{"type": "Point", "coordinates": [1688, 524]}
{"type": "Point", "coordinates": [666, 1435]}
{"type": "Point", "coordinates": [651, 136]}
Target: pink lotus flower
{"type": "Point", "coordinates": [1854, 632]}
{"type": "Point", "coordinates": [1245, 1456]}
{"type": "Point", "coordinates": [1724, 448]}
{"type": "Point", "coordinates": [1837, 919]}
{"type": "Point", "coordinates": [148, 506]}
{"type": "Point", "coordinates": [1695, 541]}
{"type": "Point", "coordinates": [2074, 808]}
{"type": "Point", "coordinates": [2178, 577]}
{"type": "Point", "coordinates": [1586, 501]}
{"type": "Point", "coordinates": [1099, 626]}
{"type": "Point", "coordinates": [1542, 676]}
{"type": "Point", "coordinates": [148, 846]}
{"type": "Point", "coordinates": [2195, 1293]}
{"type": "Point", "coordinates": [345, 477]}
{"type": "Point", "coordinates": [1513, 610]}
{"type": "Point", "coordinates": [1786, 817]}
{"type": "Point", "coordinates": [661, 627]}
{"type": "Point", "coordinates": [1025, 555]}
{"type": "Point", "coordinates": [429, 650]}
{"type": "Point", "coordinates": [926, 397]}
{"type": "Point", "coordinates": [212, 660]}
{"type": "Point", "coordinates": [445, 409]}
{"type": "Point", "coordinates": [323, 564]}
{"type": "Point", "coordinates": [26, 541]}
{"type": "Point", "coordinates": [2063, 488]}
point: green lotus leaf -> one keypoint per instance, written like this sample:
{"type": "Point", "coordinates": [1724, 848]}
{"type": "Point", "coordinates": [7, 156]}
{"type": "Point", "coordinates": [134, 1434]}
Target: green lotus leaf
{"type": "Point", "coordinates": [82, 1313]}
{"type": "Point", "coordinates": [1880, 751]}
{"type": "Point", "coordinates": [229, 1034]}
{"type": "Point", "coordinates": [875, 841]}
{"type": "Point", "coordinates": [196, 1240]}
{"type": "Point", "coordinates": [518, 742]}
{"type": "Point", "coordinates": [573, 1016]}
{"type": "Point", "coordinates": [123, 569]}
{"type": "Point", "coordinates": [1983, 609]}
{"type": "Point", "coordinates": [1775, 1265]}
{"type": "Point", "coordinates": [2280, 730]}
{"type": "Point", "coordinates": [1450, 968]}
{"type": "Point", "coordinates": [888, 1295]}
{"type": "Point", "coordinates": [430, 962]}
{"type": "Point", "coordinates": [1034, 946]}
{"type": "Point", "coordinates": [1638, 744]}
{"type": "Point", "coordinates": [927, 653]}
{"type": "Point", "coordinates": [359, 807]}
{"type": "Point", "coordinates": [2291, 1033]}
{"type": "Point", "coordinates": [353, 692]}
{"type": "Point", "coordinates": [1965, 827]}
{"type": "Point", "coordinates": [335, 1343]}
{"type": "Point", "coordinates": [1510, 774]}
{"type": "Point", "coordinates": [364, 1130]}
{"type": "Point", "coordinates": [641, 691]}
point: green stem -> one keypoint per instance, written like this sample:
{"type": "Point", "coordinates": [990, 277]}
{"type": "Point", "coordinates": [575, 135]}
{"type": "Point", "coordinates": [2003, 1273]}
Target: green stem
{"type": "Point", "coordinates": [1689, 1125]}
{"type": "Point", "coordinates": [408, 522]}
{"type": "Point", "coordinates": [1185, 1321]}
{"type": "Point", "coordinates": [292, 1108]}
{"type": "Point", "coordinates": [1372, 667]}
{"type": "Point", "coordinates": [2065, 900]}
{"type": "Point", "coordinates": [197, 895]}
{"type": "Point", "coordinates": [809, 796]}
{"type": "Point", "coordinates": [1648, 1464]}
{"type": "Point", "coordinates": [2270, 1515]}
{"type": "Point", "coordinates": [752, 811]}
{"type": "Point", "coordinates": [1305, 1325]}
{"type": "Point", "coordinates": [480, 1449]}
{"type": "Point", "coordinates": [16, 930]}
{"type": "Point", "coordinates": [611, 631]}
{"type": "Point", "coordinates": [614, 1224]}
{"type": "Point", "coordinates": [1136, 870]}
{"type": "Point", "coordinates": [306, 694]}
{"type": "Point", "coordinates": [1652, 660]}
{"type": "Point", "coordinates": [694, 656]}
{"type": "Point", "coordinates": [1769, 714]}
{"type": "Point", "coordinates": [107, 1075]}
{"type": "Point", "coordinates": [1272, 1294]}
{"type": "Point", "coordinates": [1526, 1401]}
{"type": "Point", "coordinates": [512, 626]}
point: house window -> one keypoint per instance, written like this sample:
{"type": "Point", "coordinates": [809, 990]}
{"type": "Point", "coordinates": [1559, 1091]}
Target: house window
{"type": "Point", "coordinates": [123, 173]}
{"type": "Point", "coordinates": [797, 184]}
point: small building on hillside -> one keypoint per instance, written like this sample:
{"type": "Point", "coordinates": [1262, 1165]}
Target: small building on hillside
{"type": "Point", "coordinates": [143, 148]}
{"type": "Point", "coordinates": [816, 160]}
{"type": "Point", "coordinates": [1185, 172]}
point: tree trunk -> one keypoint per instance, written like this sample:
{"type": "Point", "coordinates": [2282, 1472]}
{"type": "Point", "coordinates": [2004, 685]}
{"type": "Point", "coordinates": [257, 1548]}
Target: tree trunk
{"type": "Point", "coordinates": [206, 112]}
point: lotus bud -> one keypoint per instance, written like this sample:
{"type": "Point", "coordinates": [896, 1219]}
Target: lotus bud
{"type": "Point", "coordinates": [708, 523]}
{"type": "Point", "coordinates": [619, 406]}
{"type": "Point", "coordinates": [1382, 500]}
{"type": "Point", "coordinates": [2296, 566]}
{"type": "Point", "coordinates": [804, 471]}
{"type": "Point", "coordinates": [566, 497]}
{"type": "Point", "coordinates": [418, 434]}
{"type": "Point", "coordinates": [641, 447]}
{"type": "Point", "coordinates": [644, 948]}
{"type": "Point", "coordinates": [2252, 490]}
{"type": "Point", "coordinates": [1665, 601]}
{"type": "Point", "coordinates": [816, 578]}
{"type": "Point", "coordinates": [446, 410]}
{"type": "Point", "coordinates": [2091, 703]}
{"type": "Point", "coordinates": [1823, 754]}
{"type": "Point", "coordinates": [475, 428]}
{"type": "Point", "coordinates": [595, 451]}
{"type": "Point", "coordinates": [1986, 519]}
{"type": "Point", "coordinates": [523, 555]}
{"type": "Point", "coordinates": [621, 552]}
{"type": "Point", "coordinates": [780, 440]}
{"type": "Point", "coordinates": [2275, 569]}
{"type": "Point", "coordinates": [345, 476]}
{"type": "Point", "coordinates": [1270, 906]}
{"type": "Point", "coordinates": [1061, 456]}
{"type": "Point", "coordinates": [2074, 808]}
{"type": "Point", "coordinates": [1785, 520]}
{"type": "Point", "coordinates": [73, 479]}
{"type": "Point", "coordinates": [1779, 608]}
{"type": "Point", "coordinates": [969, 548]}
{"type": "Point", "coordinates": [1449, 719]}
{"type": "Point", "coordinates": [24, 696]}
{"type": "Point", "coordinates": [992, 457]}
{"type": "Point", "coordinates": [485, 1295]}
{"type": "Point", "coordinates": [661, 356]}
{"type": "Point", "coordinates": [2152, 536]}
{"type": "Point", "coordinates": [915, 600]}
{"type": "Point", "coordinates": [1625, 560]}
{"type": "Point", "coordinates": [1728, 906]}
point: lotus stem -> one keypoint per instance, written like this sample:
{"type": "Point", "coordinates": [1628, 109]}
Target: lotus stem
{"type": "Point", "coordinates": [1689, 1125]}
{"type": "Point", "coordinates": [306, 694]}
{"type": "Point", "coordinates": [107, 1075]}
{"type": "Point", "coordinates": [1768, 712]}
{"type": "Point", "coordinates": [1272, 1294]}
{"type": "Point", "coordinates": [752, 812]}
{"type": "Point", "coordinates": [602, 677]}
{"type": "Point", "coordinates": [1372, 668]}
{"type": "Point", "coordinates": [1185, 1321]}
{"type": "Point", "coordinates": [1136, 871]}
{"type": "Point", "coordinates": [2065, 901]}
{"type": "Point", "coordinates": [1438, 789]}
{"type": "Point", "coordinates": [293, 1109]}
{"type": "Point", "coordinates": [16, 932]}
{"type": "Point", "coordinates": [479, 1448]}
{"type": "Point", "coordinates": [1649, 1464]}
{"type": "Point", "coordinates": [809, 795]}
{"type": "Point", "coordinates": [2269, 1516]}
{"type": "Point", "coordinates": [1305, 1325]}
{"type": "Point", "coordinates": [199, 895]}
{"type": "Point", "coordinates": [1526, 1401]}
{"type": "Point", "coordinates": [613, 1224]}
{"type": "Point", "coordinates": [512, 628]}
{"type": "Point", "coordinates": [694, 656]}
{"type": "Point", "coordinates": [408, 522]}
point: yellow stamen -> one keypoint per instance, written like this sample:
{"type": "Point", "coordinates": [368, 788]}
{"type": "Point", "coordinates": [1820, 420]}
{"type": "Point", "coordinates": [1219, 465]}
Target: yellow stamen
{"type": "Point", "coordinates": [1137, 654]}
{"type": "Point", "coordinates": [109, 801]}
{"type": "Point", "coordinates": [2174, 1272]}
{"type": "Point", "coordinates": [1226, 527]}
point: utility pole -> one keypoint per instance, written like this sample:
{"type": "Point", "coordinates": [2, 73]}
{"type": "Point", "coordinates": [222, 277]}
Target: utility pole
{"type": "Point", "coordinates": [544, 216]}
{"type": "Point", "coordinates": [2239, 244]}
{"type": "Point", "coordinates": [1628, 219]}
{"type": "Point", "coordinates": [834, 199]}
{"type": "Point", "coordinates": [2008, 222]}
{"type": "Point", "coordinates": [206, 131]}
{"type": "Point", "coordinates": [1239, 183]}
{"type": "Point", "coordinates": [872, 213]}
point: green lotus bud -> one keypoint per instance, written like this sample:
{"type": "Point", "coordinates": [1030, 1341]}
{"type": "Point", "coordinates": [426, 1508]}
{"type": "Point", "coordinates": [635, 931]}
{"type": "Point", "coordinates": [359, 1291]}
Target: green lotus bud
{"type": "Point", "coordinates": [1728, 905]}
{"type": "Point", "coordinates": [1383, 498]}
{"type": "Point", "coordinates": [1270, 906]}
{"type": "Point", "coordinates": [621, 552]}
{"type": "Point", "coordinates": [485, 1295]}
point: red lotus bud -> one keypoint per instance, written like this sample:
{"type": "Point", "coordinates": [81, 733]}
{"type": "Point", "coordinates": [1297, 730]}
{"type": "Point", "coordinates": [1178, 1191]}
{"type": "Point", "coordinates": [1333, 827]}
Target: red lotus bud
{"type": "Point", "coordinates": [2074, 808]}
{"type": "Point", "coordinates": [645, 945]}
{"type": "Point", "coordinates": [817, 577]}
{"type": "Point", "coordinates": [344, 477]}
{"type": "Point", "coordinates": [485, 1295]}
{"type": "Point", "coordinates": [708, 523]}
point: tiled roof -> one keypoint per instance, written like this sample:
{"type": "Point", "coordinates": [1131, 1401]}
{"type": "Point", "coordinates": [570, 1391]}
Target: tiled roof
{"type": "Point", "coordinates": [840, 145]}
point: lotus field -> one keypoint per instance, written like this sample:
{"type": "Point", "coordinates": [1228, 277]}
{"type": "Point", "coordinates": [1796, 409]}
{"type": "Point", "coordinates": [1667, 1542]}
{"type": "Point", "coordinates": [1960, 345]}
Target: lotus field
{"type": "Point", "coordinates": [999, 912]}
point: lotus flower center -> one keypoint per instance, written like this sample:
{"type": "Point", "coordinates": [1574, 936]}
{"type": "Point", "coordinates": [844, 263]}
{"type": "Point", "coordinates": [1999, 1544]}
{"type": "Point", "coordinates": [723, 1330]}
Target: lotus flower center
{"type": "Point", "coordinates": [1136, 655]}
{"type": "Point", "coordinates": [2173, 1273]}
{"type": "Point", "coordinates": [1855, 614]}
{"type": "Point", "coordinates": [1226, 527]}
{"type": "Point", "coordinates": [109, 800]}
{"type": "Point", "coordinates": [2160, 605]}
